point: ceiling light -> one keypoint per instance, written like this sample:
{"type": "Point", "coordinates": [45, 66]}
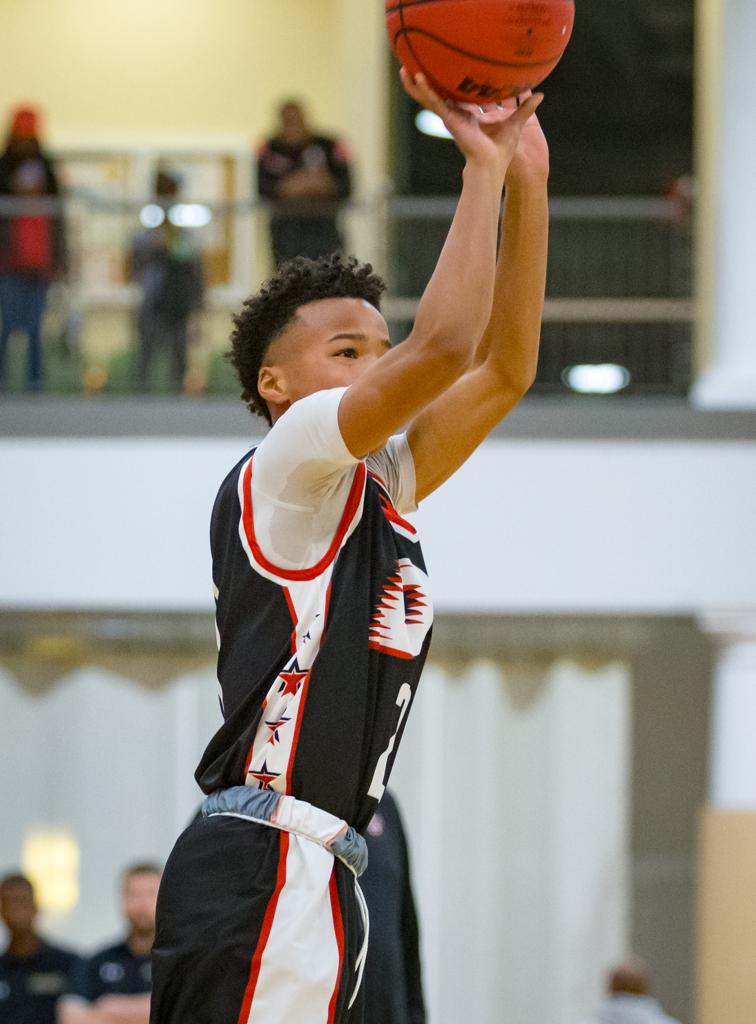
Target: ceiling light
{"type": "Point", "coordinates": [596, 378]}
{"type": "Point", "coordinates": [431, 124]}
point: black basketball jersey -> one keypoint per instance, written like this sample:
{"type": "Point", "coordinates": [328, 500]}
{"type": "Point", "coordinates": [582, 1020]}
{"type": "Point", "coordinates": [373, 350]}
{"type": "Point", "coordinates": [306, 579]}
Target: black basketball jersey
{"type": "Point", "coordinates": [317, 666]}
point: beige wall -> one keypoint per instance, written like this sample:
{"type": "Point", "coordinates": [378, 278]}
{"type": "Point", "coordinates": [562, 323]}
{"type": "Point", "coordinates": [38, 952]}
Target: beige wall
{"type": "Point", "coordinates": [727, 917]}
{"type": "Point", "coordinates": [195, 70]}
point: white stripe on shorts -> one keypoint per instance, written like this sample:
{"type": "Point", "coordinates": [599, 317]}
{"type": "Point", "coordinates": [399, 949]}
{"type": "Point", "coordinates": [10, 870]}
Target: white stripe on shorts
{"type": "Point", "coordinates": [300, 962]}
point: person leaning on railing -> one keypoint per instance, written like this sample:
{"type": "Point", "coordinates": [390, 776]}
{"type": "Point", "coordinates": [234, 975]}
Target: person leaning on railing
{"type": "Point", "coordinates": [32, 243]}
{"type": "Point", "coordinates": [306, 175]}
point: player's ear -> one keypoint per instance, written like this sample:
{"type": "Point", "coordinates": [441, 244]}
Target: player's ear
{"type": "Point", "coordinates": [271, 383]}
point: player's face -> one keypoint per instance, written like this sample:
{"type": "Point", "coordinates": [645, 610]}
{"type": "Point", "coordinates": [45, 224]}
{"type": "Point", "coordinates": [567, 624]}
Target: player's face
{"type": "Point", "coordinates": [140, 901]}
{"type": "Point", "coordinates": [17, 907]}
{"type": "Point", "coordinates": [331, 343]}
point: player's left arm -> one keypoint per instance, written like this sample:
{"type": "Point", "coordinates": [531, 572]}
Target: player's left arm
{"type": "Point", "coordinates": [444, 435]}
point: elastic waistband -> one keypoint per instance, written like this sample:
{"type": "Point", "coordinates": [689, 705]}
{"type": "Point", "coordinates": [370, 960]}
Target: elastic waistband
{"type": "Point", "coordinates": [266, 807]}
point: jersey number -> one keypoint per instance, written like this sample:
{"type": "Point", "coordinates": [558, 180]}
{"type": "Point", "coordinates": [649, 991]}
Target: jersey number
{"type": "Point", "coordinates": [378, 785]}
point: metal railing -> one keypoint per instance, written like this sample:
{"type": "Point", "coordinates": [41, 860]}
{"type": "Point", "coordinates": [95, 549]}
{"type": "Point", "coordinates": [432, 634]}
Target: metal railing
{"type": "Point", "coordinates": [619, 285]}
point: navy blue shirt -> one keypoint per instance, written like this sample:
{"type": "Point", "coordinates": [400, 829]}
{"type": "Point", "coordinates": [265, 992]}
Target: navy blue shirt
{"type": "Point", "coordinates": [393, 976]}
{"type": "Point", "coordinates": [31, 986]}
{"type": "Point", "coordinates": [112, 971]}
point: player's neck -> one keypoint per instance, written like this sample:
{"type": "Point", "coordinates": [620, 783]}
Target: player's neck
{"type": "Point", "coordinates": [24, 944]}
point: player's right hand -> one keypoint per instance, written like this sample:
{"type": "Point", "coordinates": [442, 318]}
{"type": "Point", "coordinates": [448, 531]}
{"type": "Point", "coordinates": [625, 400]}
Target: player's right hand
{"type": "Point", "coordinates": [488, 135]}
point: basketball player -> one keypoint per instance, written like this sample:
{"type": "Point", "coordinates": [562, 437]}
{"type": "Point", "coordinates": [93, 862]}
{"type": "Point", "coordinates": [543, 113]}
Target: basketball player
{"type": "Point", "coordinates": [323, 602]}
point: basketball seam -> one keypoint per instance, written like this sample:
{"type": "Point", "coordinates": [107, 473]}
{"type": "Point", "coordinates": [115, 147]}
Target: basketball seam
{"type": "Point", "coordinates": [411, 3]}
{"type": "Point", "coordinates": [466, 53]}
{"type": "Point", "coordinates": [419, 63]}
{"type": "Point", "coordinates": [420, 3]}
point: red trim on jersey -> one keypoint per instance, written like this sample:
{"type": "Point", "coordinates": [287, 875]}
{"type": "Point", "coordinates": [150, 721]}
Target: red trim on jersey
{"type": "Point", "coordinates": [293, 613]}
{"type": "Point", "coordinates": [270, 913]}
{"type": "Point", "coordinates": [391, 514]}
{"type": "Point", "coordinates": [388, 506]}
{"type": "Point", "coordinates": [350, 510]}
{"type": "Point", "coordinates": [375, 646]}
{"type": "Point", "coordinates": [297, 727]}
{"type": "Point", "coordinates": [338, 928]}
{"type": "Point", "coordinates": [326, 609]}
{"type": "Point", "coordinates": [303, 700]}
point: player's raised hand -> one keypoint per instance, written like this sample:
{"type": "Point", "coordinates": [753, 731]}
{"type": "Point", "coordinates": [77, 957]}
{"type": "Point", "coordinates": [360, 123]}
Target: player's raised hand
{"type": "Point", "coordinates": [482, 134]}
{"type": "Point", "coordinates": [531, 159]}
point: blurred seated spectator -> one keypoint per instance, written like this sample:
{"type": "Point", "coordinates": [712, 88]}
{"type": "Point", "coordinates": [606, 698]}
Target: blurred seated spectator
{"type": "Point", "coordinates": [113, 986]}
{"type": "Point", "coordinates": [166, 262]}
{"type": "Point", "coordinates": [32, 243]}
{"type": "Point", "coordinates": [393, 979]}
{"type": "Point", "coordinates": [307, 176]}
{"type": "Point", "coordinates": [33, 973]}
{"type": "Point", "coordinates": [629, 998]}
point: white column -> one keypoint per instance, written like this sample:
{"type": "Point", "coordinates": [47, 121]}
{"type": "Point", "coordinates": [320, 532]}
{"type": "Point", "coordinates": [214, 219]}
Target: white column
{"type": "Point", "coordinates": [726, 171]}
{"type": "Point", "coordinates": [361, 52]}
{"type": "Point", "coordinates": [732, 762]}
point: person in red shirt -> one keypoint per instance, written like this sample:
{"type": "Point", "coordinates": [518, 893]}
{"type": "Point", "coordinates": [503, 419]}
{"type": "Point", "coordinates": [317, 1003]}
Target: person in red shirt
{"type": "Point", "coordinates": [32, 245]}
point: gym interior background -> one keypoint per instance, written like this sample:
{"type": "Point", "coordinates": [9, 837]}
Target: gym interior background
{"type": "Point", "coordinates": [591, 683]}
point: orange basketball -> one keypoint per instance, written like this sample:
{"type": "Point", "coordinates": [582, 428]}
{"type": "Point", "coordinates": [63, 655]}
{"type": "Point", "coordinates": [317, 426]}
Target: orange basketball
{"type": "Point", "coordinates": [480, 51]}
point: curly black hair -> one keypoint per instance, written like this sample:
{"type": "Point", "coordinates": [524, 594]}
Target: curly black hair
{"type": "Point", "coordinates": [266, 314]}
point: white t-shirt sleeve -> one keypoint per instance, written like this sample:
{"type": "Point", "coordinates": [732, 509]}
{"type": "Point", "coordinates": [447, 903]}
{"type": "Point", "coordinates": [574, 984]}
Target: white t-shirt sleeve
{"type": "Point", "coordinates": [304, 454]}
{"type": "Point", "coordinates": [395, 467]}
{"type": "Point", "coordinates": [302, 473]}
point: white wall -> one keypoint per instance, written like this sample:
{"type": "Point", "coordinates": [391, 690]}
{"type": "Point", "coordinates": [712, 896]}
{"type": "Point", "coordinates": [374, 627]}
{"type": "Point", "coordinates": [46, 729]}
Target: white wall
{"type": "Point", "coordinates": [526, 526]}
{"type": "Point", "coordinates": [195, 71]}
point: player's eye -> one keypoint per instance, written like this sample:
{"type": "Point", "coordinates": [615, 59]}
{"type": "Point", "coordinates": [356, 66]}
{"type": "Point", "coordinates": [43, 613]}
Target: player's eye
{"type": "Point", "coordinates": [350, 353]}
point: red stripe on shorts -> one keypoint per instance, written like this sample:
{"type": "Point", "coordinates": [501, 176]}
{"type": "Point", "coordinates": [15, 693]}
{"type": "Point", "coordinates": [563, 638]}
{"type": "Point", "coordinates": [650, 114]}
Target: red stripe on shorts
{"type": "Point", "coordinates": [262, 942]}
{"type": "Point", "coordinates": [338, 928]}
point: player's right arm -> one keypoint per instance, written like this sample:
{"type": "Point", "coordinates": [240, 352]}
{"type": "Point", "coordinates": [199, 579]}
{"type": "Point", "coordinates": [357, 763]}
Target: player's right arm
{"type": "Point", "coordinates": [457, 302]}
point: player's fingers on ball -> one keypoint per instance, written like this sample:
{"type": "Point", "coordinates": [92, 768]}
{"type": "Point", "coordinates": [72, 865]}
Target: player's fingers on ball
{"type": "Point", "coordinates": [430, 97]}
{"type": "Point", "coordinates": [407, 81]}
{"type": "Point", "coordinates": [495, 115]}
{"type": "Point", "coordinates": [470, 108]}
{"type": "Point", "coordinates": [528, 107]}
{"type": "Point", "coordinates": [410, 85]}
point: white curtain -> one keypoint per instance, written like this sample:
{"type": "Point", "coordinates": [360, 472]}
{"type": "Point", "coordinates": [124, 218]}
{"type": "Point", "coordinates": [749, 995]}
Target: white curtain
{"type": "Point", "coordinates": [514, 786]}
{"type": "Point", "coordinates": [111, 762]}
{"type": "Point", "coordinates": [512, 781]}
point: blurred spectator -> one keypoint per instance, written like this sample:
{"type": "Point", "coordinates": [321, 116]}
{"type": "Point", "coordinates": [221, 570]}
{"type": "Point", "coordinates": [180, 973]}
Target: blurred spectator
{"type": "Point", "coordinates": [629, 1000]}
{"type": "Point", "coordinates": [307, 176]}
{"type": "Point", "coordinates": [33, 973]}
{"type": "Point", "coordinates": [32, 244]}
{"type": "Point", "coordinates": [393, 979]}
{"type": "Point", "coordinates": [165, 261]}
{"type": "Point", "coordinates": [113, 986]}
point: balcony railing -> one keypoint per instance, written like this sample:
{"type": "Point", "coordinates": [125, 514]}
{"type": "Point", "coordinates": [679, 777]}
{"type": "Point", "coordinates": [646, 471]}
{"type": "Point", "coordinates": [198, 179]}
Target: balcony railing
{"type": "Point", "coordinates": [619, 287]}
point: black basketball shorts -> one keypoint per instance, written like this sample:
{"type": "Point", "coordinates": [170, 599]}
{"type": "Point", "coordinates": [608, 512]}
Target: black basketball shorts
{"type": "Point", "coordinates": [254, 926]}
